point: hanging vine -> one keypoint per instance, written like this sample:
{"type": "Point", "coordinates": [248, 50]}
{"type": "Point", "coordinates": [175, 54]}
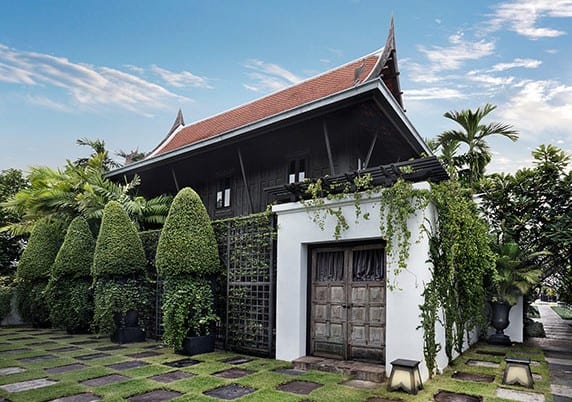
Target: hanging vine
{"type": "Point", "coordinates": [458, 250]}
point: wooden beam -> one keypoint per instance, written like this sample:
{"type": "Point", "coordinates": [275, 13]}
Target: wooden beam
{"type": "Point", "coordinates": [328, 148]}
{"type": "Point", "coordinates": [175, 179]}
{"type": "Point", "coordinates": [368, 157]}
{"type": "Point", "coordinates": [244, 180]}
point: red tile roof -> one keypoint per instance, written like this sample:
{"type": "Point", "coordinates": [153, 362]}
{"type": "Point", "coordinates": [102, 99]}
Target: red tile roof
{"type": "Point", "coordinates": [312, 89]}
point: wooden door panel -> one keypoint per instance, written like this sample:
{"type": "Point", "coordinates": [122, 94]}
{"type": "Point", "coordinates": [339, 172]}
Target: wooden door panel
{"type": "Point", "coordinates": [348, 304]}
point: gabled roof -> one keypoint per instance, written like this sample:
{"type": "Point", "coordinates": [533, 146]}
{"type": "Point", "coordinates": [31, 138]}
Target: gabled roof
{"type": "Point", "coordinates": [373, 66]}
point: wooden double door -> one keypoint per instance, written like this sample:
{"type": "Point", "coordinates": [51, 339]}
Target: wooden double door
{"type": "Point", "coordinates": [347, 312]}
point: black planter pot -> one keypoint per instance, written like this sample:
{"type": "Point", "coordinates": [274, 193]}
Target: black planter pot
{"type": "Point", "coordinates": [196, 345]}
{"type": "Point", "coordinates": [500, 322]}
{"type": "Point", "coordinates": [127, 328]}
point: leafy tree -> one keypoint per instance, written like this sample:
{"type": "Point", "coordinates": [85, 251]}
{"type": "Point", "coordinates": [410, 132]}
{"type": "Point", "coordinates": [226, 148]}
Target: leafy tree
{"type": "Point", "coordinates": [473, 136]}
{"type": "Point", "coordinates": [98, 147]}
{"type": "Point", "coordinates": [533, 207]}
{"type": "Point", "coordinates": [81, 189]}
{"type": "Point", "coordinates": [11, 181]}
{"type": "Point", "coordinates": [68, 291]}
{"type": "Point", "coordinates": [34, 270]}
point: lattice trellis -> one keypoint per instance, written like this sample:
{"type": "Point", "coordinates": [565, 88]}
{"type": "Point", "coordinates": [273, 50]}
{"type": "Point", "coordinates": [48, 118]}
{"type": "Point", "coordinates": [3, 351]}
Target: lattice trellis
{"type": "Point", "coordinates": [247, 250]}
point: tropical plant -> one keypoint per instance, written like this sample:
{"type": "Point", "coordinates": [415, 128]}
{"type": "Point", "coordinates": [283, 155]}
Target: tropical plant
{"type": "Point", "coordinates": [474, 134]}
{"type": "Point", "coordinates": [68, 292]}
{"type": "Point", "coordinates": [533, 207]}
{"type": "Point", "coordinates": [515, 273]}
{"type": "Point", "coordinates": [80, 189]}
{"type": "Point", "coordinates": [186, 254]}
{"type": "Point", "coordinates": [118, 269]}
{"type": "Point", "coordinates": [34, 270]}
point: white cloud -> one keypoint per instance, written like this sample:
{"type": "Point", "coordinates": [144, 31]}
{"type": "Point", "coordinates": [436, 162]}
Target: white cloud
{"type": "Point", "coordinates": [460, 50]}
{"type": "Point", "coordinates": [432, 93]}
{"type": "Point", "coordinates": [516, 63]}
{"type": "Point", "coordinates": [522, 16]}
{"type": "Point", "coordinates": [48, 103]}
{"type": "Point", "coordinates": [268, 76]}
{"type": "Point", "coordinates": [182, 79]}
{"type": "Point", "coordinates": [84, 85]}
{"type": "Point", "coordinates": [489, 80]}
{"type": "Point", "coordinates": [540, 110]}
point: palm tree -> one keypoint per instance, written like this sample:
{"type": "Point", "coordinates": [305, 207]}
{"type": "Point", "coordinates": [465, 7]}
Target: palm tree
{"type": "Point", "coordinates": [474, 135]}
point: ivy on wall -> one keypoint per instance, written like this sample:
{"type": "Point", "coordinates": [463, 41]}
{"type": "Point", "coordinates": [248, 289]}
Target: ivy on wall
{"type": "Point", "coordinates": [459, 250]}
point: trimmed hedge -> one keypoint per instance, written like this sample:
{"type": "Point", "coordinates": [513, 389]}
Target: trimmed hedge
{"type": "Point", "coordinates": [75, 257]}
{"type": "Point", "coordinates": [40, 253]}
{"type": "Point", "coordinates": [187, 244]}
{"type": "Point", "coordinates": [118, 250]}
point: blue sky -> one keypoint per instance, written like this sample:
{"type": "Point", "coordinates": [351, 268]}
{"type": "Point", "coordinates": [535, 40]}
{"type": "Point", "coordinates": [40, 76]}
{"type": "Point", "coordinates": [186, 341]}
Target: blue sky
{"type": "Point", "coordinates": [120, 70]}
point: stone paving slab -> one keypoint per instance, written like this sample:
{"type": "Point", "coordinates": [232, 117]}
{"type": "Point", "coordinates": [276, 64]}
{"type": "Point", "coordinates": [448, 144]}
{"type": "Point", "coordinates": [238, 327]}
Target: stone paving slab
{"type": "Point", "coordinates": [290, 371]}
{"type": "Point", "coordinates": [64, 349]}
{"type": "Point", "coordinates": [447, 396]}
{"type": "Point", "coordinates": [361, 384]}
{"type": "Point", "coordinates": [42, 343]}
{"type": "Point", "coordinates": [562, 362]}
{"type": "Point", "coordinates": [172, 376]}
{"type": "Point", "coordinates": [562, 390]}
{"type": "Point", "coordinates": [85, 397]}
{"type": "Point", "coordinates": [106, 348]}
{"type": "Point", "coordinates": [36, 359]}
{"type": "Point", "coordinates": [158, 395]}
{"type": "Point", "coordinates": [182, 363]}
{"type": "Point", "coordinates": [299, 387]}
{"type": "Point", "coordinates": [237, 360]}
{"type": "Point", "coordinates": [11, 370]}
{"type": "Point", "coordinates": [66, 368]}
{"type": "Point", "coordinates": [28, 385]}
{"type": "Point", "coordinates": [482, 363]}
{"type": "Point", "coordinates": [234, 373]}
{"type": "Point", "coordinates": [229, 392]}
{"type": "Point", "coordinates": [20, 338]}
{"type": "Point", "coordinates": [142, 355]}
{"type": "Point", "coordinates": [521, 396]}
{"type": "Point", "coordinates": [13, 351]}
{"type": "Point", "coordinates": [92, 356]}
{"type": "Point", "coordinates": [128, 365]}
{"type": "Point", "coordinates": [105, 380]}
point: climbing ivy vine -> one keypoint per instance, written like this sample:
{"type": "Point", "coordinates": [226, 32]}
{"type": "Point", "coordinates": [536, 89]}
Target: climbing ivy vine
{"type": "Point", "coordinates": [458, 249]}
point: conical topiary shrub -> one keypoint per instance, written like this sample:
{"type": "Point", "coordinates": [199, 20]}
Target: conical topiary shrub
{"type": "Point", "coordinates": [187, 244]}
{"type": "Point", "coordinates": [119, 271]}
{"type": "Point", "coordinates": [34, 269]}
{"type": "Point", "coordinates": [187, 254]}
{"type": "Point", "coordinates": [68, 292]}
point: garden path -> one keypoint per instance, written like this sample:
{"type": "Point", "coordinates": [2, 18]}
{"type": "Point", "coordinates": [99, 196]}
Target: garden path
{"type": "Point", "coordinates": [557, 347]}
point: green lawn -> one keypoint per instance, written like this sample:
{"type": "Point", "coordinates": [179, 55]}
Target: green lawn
{"type": "Point", "coordinates": [564, 312]}
{"type": "Point", "coordinates": [263, 378]}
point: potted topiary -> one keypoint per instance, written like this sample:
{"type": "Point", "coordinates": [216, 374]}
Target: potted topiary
{"type": "Point", "coordinates": [515, 275]}
{"type": "Point", "coordinates": [120, 282]}
{"type": "Point", "coordinates": [33, 272]}
{"type": "Point", "coordinates": [68, 292]}
{"type": "Point", "coordinates": [187, 257]}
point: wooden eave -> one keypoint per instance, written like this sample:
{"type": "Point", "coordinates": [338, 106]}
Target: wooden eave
{"type": "Point", "coordinates": [373, 89]}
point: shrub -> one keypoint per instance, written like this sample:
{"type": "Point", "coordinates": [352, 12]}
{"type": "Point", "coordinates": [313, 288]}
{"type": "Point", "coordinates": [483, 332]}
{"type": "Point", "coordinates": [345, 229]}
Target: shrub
{"type": "Point", "coordinates": [41, 251]}
{"type": "Point", "coordinates": [118, 250]}
{"type": "Point", "coordinates": [187, 244]}
{"type": "Point", "coordinates": [33, 272]}
{"type": "Point", "coordinates": [150, 239]}
{"type": "Point", "coordinates": [6, 292]}
{"type": "Point", "coordinates": [119, 270]}
{"type": "Point", "coordinates": [188, 310]}
{"type": "Point", "coordinates": [118, 297]}
{"type": "Point", "coordinates": [68, 292]}
{"type": "Point", "coordinates": [75, 257]}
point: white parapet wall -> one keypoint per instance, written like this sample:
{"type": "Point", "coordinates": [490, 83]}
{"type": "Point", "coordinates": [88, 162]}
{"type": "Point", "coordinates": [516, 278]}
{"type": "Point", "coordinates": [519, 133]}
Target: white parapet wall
{"type": "Point", "coordinates": [297, 231]}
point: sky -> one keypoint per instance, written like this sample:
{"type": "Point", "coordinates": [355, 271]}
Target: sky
{"type": "Point", "coordinates": [120, 70]}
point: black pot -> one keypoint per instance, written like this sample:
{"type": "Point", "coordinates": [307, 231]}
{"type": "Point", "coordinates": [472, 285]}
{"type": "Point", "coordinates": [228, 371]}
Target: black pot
{"type": "Point", "coordinates": [132, 319]}
{"type": "Point", "coordinates": [196, 345]}
{"type": "Point", "coordinates": [500, 322]}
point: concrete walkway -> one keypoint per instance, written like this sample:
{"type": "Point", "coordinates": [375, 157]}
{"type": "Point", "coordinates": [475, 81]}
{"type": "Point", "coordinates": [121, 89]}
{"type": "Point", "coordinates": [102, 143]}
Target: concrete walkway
{"type": "Point", "coordinates": [557, 347]}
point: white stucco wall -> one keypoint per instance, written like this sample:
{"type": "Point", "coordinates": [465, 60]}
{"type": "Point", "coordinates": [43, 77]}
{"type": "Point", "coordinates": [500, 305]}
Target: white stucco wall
{"type": "Point", "coordinates": [296, 231]}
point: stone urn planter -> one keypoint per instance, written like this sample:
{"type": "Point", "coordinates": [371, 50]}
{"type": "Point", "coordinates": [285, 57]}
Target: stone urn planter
{"type": "Point", "coordinates": [500, 321]}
